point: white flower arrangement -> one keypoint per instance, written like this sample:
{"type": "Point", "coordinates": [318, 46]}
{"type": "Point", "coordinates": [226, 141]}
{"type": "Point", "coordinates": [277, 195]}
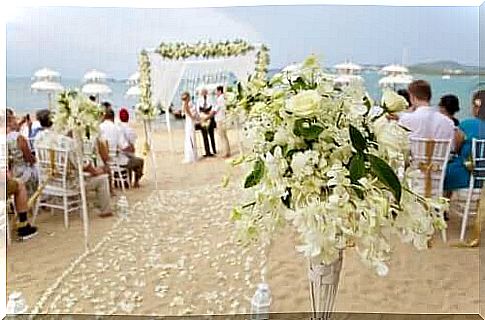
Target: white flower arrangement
{"type": "Point", "coordinates": [317, 162]}
{"type": "Point", "coordinates": [77, 113]}
{"type": "Point", "coordinates": [145, 108]}
{"type": "Point", "coordinates": [183, 50]}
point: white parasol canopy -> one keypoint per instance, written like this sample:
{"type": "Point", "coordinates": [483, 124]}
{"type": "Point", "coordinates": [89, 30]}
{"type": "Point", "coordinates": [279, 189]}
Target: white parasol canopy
{"type": "Point", "coordinates": [46, 86]}
{"type": "Point", "coordinates": [94, 76]}
{"type": "Point", "coordinates": [134, 78]}
{"type": "Point", "coordinates": [348, 78]}
{"type": "Point", "coordinates": [348, 66]}
{"type": "Point", "coordinates": [395, 80]}
{"type": "Point", "coordinates": [394, 69]}
{"type": "Point", "coordinates": [133, 91]}
{"type": "Point", "coordinates": [47, 80]}
{"type": "Point", "coordinates": [96, 89]}
{"type": "Point", "coordinates": [46, 73]}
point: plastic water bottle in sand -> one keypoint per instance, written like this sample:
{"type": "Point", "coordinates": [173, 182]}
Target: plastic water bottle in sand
{"type": "Point", "coordinates": [16, 304]}
{"type": "Point", "coordinates": [261, 302]}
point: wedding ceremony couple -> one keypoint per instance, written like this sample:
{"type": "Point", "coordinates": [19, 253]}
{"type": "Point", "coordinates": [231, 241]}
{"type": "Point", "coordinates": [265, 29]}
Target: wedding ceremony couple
{"type": "Point", "coordinates": [205, 117]}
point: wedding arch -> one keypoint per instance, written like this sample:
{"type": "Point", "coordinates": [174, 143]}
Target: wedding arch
{"type": "Point", "coordinates": [164, 68]}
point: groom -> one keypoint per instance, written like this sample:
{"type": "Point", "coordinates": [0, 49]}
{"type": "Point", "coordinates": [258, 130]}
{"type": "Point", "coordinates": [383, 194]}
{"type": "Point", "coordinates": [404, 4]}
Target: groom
{"type": "Point", "coordinates": [207, 123]}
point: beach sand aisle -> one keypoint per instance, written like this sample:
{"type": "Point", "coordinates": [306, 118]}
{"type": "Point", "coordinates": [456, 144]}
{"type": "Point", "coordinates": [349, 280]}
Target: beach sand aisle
{"type": "Point", "coordinates": [175, 255]}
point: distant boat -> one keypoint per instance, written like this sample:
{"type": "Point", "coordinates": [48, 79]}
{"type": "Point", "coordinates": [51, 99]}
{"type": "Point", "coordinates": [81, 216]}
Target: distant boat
{"type": "Point", "coordinates": [446, 77]}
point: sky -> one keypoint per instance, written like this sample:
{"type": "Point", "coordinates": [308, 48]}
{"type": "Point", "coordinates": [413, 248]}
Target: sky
{"type": "Point", "coordinates": [73, 40]}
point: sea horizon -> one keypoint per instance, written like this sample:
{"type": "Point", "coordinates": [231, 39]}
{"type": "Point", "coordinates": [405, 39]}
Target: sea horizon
{"type": "Point", "coordinates": [22, 99]}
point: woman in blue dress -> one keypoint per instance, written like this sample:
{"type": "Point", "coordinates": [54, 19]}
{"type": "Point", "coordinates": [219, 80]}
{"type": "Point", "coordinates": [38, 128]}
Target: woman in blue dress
{"type": "Point", "coordinates": [457, 174]}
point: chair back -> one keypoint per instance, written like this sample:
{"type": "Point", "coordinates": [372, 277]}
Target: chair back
{"type": "Point", "coordinates": [55, 169]}
{"type": "Point", "coordinates": [3, 155]}
{"type": "Point", "coordinates": [429, 158]}
{"type": "Point", "coordinates": [478, 158]}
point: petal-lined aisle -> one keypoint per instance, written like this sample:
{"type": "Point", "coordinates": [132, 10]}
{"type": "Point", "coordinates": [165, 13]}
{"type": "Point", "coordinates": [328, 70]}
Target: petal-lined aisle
{"type": "Point", "coordinates": [165, 242]}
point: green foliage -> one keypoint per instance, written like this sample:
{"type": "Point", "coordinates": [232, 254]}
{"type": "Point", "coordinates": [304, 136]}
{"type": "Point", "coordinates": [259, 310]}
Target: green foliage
{"type": "Point", "coordinates": [358, 140]}
{"type": "Point", "coordinates": [305, 129]}
{"type": "Point", "coordinates": [256, 175]}
{"type": "Point", "coordinates": [386, 175]}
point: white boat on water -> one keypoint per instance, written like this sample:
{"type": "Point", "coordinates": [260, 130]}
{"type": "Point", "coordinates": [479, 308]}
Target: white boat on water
{"type": "Point", "coordinates": [446, 77]}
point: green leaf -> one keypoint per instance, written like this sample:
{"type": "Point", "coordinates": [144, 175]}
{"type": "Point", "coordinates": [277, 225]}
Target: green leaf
{"type": "Point", "coordinates": [357, 167]}
{"type": "Point", "coordinates": [287, 198]}
{"type": "Point", "coordinates": [358, 140]}
{"type": "Point", "coordinates": [256, 175]}
{"type": "Point", "coordinates": [368, 105]}
{"type": "Point", "coordinates": [386, 175]}
{"type": "Point", "coordinates": [299, 84]}
{"type": "Point", "coordinates": [304, 129]}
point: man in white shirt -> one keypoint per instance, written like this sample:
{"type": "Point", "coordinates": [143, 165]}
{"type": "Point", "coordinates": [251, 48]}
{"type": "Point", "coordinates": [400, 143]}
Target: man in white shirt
{"type": "Point", "coordinates": [134, 164]}
{"type": "Point", "coordinates": [97, 179]}
{"type": "Point", "coordinates": [425, 122]}
{"type": "Point", "coordinates": [220, 117]}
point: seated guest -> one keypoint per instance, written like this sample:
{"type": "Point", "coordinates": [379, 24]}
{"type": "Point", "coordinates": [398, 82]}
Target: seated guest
{"type": "Point", "coordinates": [20, 158]}
{"type": "Point", "coordinates": [135, 164]}
{"type": "Point", "coordinates": [17, 189]}
{"type": "Point", "coordinates": [112, 134]}
{"type": "Point", "coordinates": [97, 180]}
{"type": "Point", "coordinates": [425, 122]}
{"type": "Point", "coordinates": [449, 106]}
{"type": "Point", "coordinates": [457, 173]}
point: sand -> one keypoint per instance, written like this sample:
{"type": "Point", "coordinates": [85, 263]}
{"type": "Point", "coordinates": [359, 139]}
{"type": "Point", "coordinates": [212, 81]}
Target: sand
{"type": "Point", "coordinates": [175, 254]}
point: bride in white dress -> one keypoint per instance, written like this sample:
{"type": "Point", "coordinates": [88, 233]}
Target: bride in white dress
{"type": "Point", "coordinates": [190, 147]}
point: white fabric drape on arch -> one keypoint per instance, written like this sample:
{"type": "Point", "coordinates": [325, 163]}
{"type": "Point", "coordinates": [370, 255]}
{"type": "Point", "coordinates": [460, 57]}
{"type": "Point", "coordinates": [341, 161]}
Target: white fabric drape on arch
{"type": "Point", "coordinates": [166, 74]}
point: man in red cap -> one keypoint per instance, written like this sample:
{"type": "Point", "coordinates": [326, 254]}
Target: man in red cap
{"type": "Point", "coordinates": [135, 164]}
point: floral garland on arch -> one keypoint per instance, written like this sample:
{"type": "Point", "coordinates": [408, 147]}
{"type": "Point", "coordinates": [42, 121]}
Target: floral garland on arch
{"type": "Point", "coordinates": [145, 107]}
{"type": "Point", "coordinates": [317, 162]}
{"type": "Point", "coordinates": [236, 105]}
{"type": "Point", "coordinates": [181, 50]}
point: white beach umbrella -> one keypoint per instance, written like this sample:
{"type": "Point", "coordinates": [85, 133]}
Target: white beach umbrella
{"type": "Point", "coordinates": [133, 92]}
{"type": "Point", "coordinates": [347, 78]}
{"type": "Point", "coordinates": [348, 66]}
{"type": "Point", "coordinates": [392, 81]}
{"type": "Point", "coordinates": [96, 89]}
{"type": "Point", "coordinates": [47, 82]}
{"type": "Point", "coordinates": [95, 76]}
{"type": "Point", "coordinates": [46, 86]}
{"type": "Point", "coordinates": [394, 69]}
{"type": "Point", "coordinates": [46, 73]}
{"type": "Point", "coordinates": [134, 78]}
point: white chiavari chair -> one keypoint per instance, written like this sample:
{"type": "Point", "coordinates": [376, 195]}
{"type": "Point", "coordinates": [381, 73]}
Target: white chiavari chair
{"type": "Point", "coordinates": [429, 159]}
{"type": "Point", "coordinates": [466, 202]}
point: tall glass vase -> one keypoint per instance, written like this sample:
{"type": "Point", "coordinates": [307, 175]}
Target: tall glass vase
{"type": "Point", "coordinates": [324, 280]}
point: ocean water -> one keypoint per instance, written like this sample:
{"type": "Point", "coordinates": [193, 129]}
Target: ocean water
{"type": "Point", "coordinates": [22, 99]}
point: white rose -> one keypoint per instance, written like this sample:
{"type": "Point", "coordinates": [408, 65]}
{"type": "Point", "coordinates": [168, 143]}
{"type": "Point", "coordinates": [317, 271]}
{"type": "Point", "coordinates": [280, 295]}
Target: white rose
{"type": "Point", "coordinates": [305, 104]}
{"type": "Point", "coordinates": [393, 101]}
{"type": "Point", "coordinates": [281, 136]}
